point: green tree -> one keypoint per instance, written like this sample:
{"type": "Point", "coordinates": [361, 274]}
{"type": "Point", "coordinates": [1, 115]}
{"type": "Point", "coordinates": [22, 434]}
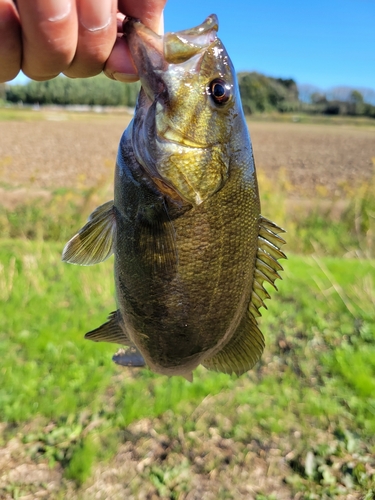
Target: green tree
{"type": "Point", "coordinates": [357, 103]}
{"type": "Point", "coordinates": [2, 92]}
{"type": "Point", "coordinates": [98, 90]}
{"type": "Point", "coordinates": [260, 93]}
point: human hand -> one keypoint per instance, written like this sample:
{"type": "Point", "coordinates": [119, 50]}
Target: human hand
{"type": "Point", "coordinates": [79, 38]}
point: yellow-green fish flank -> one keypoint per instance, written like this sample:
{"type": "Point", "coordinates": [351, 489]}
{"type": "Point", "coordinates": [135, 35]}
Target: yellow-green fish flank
{"type": "Point", "coordinates": [191, 249]}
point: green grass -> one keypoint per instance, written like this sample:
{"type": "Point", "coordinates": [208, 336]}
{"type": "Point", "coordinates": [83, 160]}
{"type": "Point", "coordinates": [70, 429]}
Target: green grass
{"type": "Point", "coordinates": [308, 118]}
{"type": "Point", "coordinates": [352, 234]}
{"type": "Point", "coordinates": [318, 370]}
{"type": "Point", "coordinates": [29, 114]}
{"type": "Point", "coordinates": [311, 397]}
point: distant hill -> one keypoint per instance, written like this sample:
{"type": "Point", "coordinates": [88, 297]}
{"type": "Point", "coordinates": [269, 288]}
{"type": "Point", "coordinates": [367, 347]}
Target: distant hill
{"type": "Point", "coordinates": [340, 93]}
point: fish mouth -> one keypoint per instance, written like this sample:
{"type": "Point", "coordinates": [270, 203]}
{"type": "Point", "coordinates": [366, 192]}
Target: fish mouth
{"type": "Point", "coordinates": [163, 132]}
{"type": "Point", "coordinates": [183, 45]}
{"type": "Point", "coordinates": [152, 54]}
{"type": "Point", "coordinates": [173, 47]}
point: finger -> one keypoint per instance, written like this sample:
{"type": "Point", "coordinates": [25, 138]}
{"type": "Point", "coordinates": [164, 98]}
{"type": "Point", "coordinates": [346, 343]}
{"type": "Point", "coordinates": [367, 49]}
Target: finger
{"type": "Point", "coordinates": [149, 12]}
{"type": "Point", "coordinates": [10, 41]}
{"type": "Point", "coordinates": [119, 65]}
{"type": "Point", "coordinates": [97, 31]}
{"type": "Point", "coordinates": [49, 36]}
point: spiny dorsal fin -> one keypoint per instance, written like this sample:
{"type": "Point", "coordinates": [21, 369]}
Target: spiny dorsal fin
{"type": "Point", "coordinates": [269, 271]}
{"type": "Point", "coordinates": [266, 265]}
{"type": "Point", "coordinates": [111, 331]}
{"type": "Point", "coordinates": [273, 238]}
{"type": "Point", "coordinates": [94, 242]}
{"type": "Point", "coordinates": [271, 226]}
{"type": "Point", "coordinates": [242, 351]}
{"type": "Point", "coordinates": [130, 357]}
{"type": "Point", "coordinates": [270, 248]}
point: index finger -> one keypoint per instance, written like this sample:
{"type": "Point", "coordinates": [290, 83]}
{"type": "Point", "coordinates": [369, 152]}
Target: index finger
{"type": "Point", "coordinates": [49, 33]}
{"type": "Point", "coordinates": [148, 11]}
{"type": "Point", "coordinates": [119, 65]}
{"type": "Point", "coordinates": [10, 41]}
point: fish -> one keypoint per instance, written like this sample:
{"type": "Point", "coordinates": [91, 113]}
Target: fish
{"type": "Point", "coordinates": [191, 249]}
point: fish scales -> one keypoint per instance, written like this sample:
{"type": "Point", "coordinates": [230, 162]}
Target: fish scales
{"type": "Point", "coordinates": [194, 307]}
{"type": "Point", "coordinates": [185, 225]}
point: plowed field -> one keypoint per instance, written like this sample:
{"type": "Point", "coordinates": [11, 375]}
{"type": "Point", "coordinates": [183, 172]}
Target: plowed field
{"type": "Point", "coordinates": [66, 151]}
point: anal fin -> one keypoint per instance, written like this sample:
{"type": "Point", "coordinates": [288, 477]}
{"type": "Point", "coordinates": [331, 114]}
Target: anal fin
{"type": "Point", "coordinates": [130, 357]}
{"type": "Point", "coordinates": [242, 352]}
{"type": "Point", "coordinates": [111, 331]}
{"type": "Point", "coordinates": [188, 376]}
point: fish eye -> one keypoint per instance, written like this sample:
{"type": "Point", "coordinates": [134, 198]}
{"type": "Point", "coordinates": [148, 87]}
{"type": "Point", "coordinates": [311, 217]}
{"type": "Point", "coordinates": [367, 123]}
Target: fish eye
{"type": "Point", "coordinates": [220, 91]}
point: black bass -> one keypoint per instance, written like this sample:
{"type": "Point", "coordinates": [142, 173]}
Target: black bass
{"type": "Point", "coordinates": [191, 249]}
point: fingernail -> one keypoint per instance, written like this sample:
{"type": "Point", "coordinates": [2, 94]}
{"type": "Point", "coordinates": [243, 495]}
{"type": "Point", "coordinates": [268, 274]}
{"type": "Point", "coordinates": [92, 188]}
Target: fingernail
{"type": "Point", "coordinates": [98, 16]}
{"type": "Point", "coordinates": [160, 30]}
{"type": "Point", "coordinates": [56, 10]}
{"type": "Point", "coordinates": [125, 77]}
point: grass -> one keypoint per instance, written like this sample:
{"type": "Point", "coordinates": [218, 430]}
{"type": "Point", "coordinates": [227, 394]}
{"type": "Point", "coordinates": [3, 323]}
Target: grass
{"type": "Point", "coordinates": [53, 113]}
{"type": "Point", "coordinates": [307, 118]}
{"type": "Point", "coordinates": [309, 231]}
{"type": "Point", "coordinates": [300, 425]}
{"type": "Point", "coordinates": [317, 373]}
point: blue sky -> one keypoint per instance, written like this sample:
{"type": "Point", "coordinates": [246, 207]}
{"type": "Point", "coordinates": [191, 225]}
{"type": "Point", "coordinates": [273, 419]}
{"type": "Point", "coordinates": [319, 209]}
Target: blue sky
{"type": "Point", "coordinates": [322, 42]}
{"type": "Point", "coordinates": [325, 43]}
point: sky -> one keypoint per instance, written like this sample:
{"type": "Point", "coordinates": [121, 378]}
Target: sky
{"type": "Point", "coordinates": [325, 43]}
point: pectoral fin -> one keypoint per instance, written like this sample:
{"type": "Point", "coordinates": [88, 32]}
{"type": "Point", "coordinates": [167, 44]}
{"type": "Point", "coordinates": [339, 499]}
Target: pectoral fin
{"type": "Point", "coordinates": [111, 331]}
{"type": "Point", "coordinates": [94, 242]}
{"type": "Point", "coordinates": [242, 351]}
{"type": "Point", "coordinates": [130, 357]}
{"type": "Point", "coordinates": [157, 241]}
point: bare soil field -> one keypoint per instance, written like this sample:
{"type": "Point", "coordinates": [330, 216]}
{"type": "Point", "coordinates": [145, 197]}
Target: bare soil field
{"type": "Point", "coordinates": [65, 152]}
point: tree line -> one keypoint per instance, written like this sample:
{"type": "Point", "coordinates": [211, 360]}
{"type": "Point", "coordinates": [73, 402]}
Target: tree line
{"type": "Point", "coordinates": [259, 94]}
{"type": "Point", "coordinates": [99, 90]}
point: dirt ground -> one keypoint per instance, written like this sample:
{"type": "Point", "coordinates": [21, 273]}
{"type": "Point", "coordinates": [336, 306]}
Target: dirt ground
{"type": "Point", "coordinates": [58, 153]}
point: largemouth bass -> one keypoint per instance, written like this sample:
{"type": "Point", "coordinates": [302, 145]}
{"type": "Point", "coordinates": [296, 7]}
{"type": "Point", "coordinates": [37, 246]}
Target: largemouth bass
{"type": "Point", "coordinates": [191, 249]}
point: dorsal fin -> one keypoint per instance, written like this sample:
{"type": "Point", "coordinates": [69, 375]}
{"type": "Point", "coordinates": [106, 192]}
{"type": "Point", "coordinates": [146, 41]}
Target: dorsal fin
{"type": "Point", "coordinates": [242, 351]}
{"type": "Point", "coordinates": [111, 331]}
{"type": "Point", "coordinates": [266, 265]}
{"type": "Point", "coordinates": [94, 242]}
{"type": "Point", "coordinates": [246, 346]}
